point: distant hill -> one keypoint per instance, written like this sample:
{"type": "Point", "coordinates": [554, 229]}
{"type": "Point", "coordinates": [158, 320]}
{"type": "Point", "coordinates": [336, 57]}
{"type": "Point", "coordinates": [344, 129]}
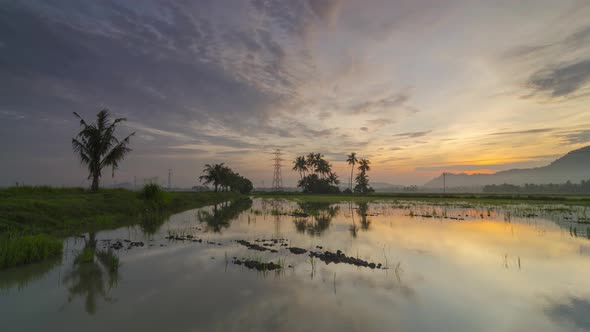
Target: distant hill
{"type": "Point", "coordinates": [574, 167]}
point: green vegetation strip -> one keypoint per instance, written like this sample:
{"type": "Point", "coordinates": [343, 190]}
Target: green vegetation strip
{"type": "Point", "coordinates": [583, 200]}
{"type": "Point", "coordinates": [18, 250]}
{"type": "Point", "coordinates": [33, 220]}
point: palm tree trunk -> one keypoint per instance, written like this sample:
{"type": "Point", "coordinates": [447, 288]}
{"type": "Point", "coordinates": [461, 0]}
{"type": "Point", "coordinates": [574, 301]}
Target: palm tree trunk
{"type": "Point", "coordinates": [216, 187]}
{"type": "Point", "coordinates": [95, 182]}
{"type": "Point", "coordinates": [91, 240]}
{"type": "Point", "coordinates": [351, 170]}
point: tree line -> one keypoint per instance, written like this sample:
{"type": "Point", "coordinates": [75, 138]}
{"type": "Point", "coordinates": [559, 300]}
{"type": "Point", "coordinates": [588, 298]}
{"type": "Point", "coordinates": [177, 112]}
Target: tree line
{"type": "Point", "coordinates": [224, 178]}
{"type": "Point", "coordinates": [98, 148]}
{"type": "Point", "coordinates": [316, 175]}
{"type": "Point", "coordinates": [563, 188]}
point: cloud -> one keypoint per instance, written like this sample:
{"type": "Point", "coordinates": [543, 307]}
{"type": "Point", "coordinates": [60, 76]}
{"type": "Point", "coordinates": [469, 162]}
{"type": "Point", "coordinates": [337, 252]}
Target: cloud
{"type": "Point", "coordinates": [413, 134]}
{"type": "Point", "coordinates": [575, 136]}
{"type": "Point", "coordinates": [524, 51]}
{"type": "Point", "coordinates": [323, 115]}
{"type": "Point", "coordinates": [559, 62]}
{"type": "Point", "coordinates": [379, 123]}
{"type": "Point", "coordinates": [326, 9]}
{"type": "Point", "coordinates": [579, 37]}
{"type": "Point", "coordinates": [393, 101]}
{"type": "Point", "coordinates": [523, 132]}
{"type": "Point", "coordinates": [395, 159]}
{"type": "Point", "coordinates": [561, 80]}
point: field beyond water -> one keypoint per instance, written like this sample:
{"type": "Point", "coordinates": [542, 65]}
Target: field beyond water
{"type": "Point", "coordinates": [33, 220]}
{"type": "Point", "coordinates": [581, 200]}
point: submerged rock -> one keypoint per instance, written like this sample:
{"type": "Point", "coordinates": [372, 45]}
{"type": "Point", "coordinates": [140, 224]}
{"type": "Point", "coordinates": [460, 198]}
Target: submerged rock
{"type": "Point", "coordinates": [260, 266]}
{"type": "Point", "coordinates": [254, 246]}
{"type": "Point", "coordinates": [297, 251]}
{"type": "Point", "coordinates": [116, 246]}
{"type": "Point", "coordinates": [339, 257]}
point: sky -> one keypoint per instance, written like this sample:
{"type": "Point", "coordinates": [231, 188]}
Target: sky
{"type": "Point", "coordinates": [419, 87]}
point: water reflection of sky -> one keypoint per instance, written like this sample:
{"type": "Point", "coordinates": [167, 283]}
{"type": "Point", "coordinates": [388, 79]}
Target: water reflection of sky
{"type": "Point", "coordinates": [500, 272]}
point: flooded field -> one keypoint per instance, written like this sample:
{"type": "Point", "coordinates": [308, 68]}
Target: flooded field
{"type": "Point", "coordinates": [279, 265]}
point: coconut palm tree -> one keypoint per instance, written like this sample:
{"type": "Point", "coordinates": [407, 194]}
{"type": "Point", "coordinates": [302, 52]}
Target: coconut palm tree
{"type": "Point", "coordinates": [213, 174]}
{"type": "Point", "coordinates": [300, 165]}
{"type": "Point", "coordinates": [362, 179]}
{"type": "Point", "coordinates": [311, 161]}
{"type": "Point", "coordinates": [333, 178]}
{"type": "Point", "coordinates": [97, 147]}
{"type": "Point", "coordinates": [323, 168]}
{"type": "Point", "coordinates": [352, 160]}
{"type": "Point", "coordinates": [364, 165]}
{"type": "Point", "coordinates": [226, 178]}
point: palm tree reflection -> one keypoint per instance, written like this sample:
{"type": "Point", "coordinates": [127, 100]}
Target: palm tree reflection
{"type": "Point", "coordinates": [87, 277]}
{"type": "Point", "coordinates": [223, 214]}
{"type": "Point", "coordinates": [362, 210]}
{"type": "Point", "coordinates": [321, 217]}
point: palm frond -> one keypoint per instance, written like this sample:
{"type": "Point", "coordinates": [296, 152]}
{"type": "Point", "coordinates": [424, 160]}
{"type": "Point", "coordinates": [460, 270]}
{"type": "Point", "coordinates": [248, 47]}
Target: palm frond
{"type": "Point", "coordinates": [80, 149]}
{"type": "Point", "coordinates": [117, 154]}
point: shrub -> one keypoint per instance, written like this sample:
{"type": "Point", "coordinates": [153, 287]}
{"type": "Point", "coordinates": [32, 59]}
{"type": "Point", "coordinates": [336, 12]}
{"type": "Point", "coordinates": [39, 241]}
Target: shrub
{"type": "Point", "coordinates": [154, 195]}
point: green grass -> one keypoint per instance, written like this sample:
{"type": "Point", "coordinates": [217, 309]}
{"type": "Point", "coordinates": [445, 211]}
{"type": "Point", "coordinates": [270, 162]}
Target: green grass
{"type": "Point", "coordinates": [18, 250]}
{"type": "Point", "coordinates": [436, 197]}
{"type": "Point", "coordinates": [33, 220]}
{"type": "Point", "coordinates": [68, 211]}
{"type": "Point", "coordinates": [85, 256]}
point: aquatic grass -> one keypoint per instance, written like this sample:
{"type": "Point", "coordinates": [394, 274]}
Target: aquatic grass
{"type": "Point", "coordinates": [280, 262]}
{"type": "Point", "coordinates": [17, 250]}
{"type": "Point", "coordinates": [85, 256]}
{"type": "Point", "coordinates": [334, 282]}
{"type": "Point", "coordinates": [386, 266]}
{"type": "Point", "coordinates": [398, 270]}
{"type": "Point", "coordinates": [109, 260]}
{"type": "Point", "coordinates": [312, 262]}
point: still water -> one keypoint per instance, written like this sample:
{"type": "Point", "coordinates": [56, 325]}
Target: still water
{"type": "Point", "coordinates": [444, 267]}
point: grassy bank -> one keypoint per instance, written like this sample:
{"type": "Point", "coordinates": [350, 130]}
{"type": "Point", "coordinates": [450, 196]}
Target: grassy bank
{"type": "Point", "coordinates": [33, 220]}
{"type": "Point", "coordinates": [437, 197]}
{"type": "Point", "coordinates": [69, 211]}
